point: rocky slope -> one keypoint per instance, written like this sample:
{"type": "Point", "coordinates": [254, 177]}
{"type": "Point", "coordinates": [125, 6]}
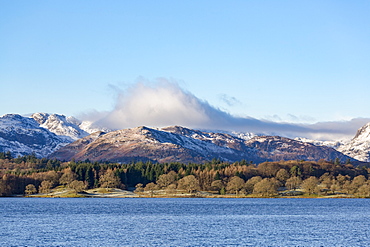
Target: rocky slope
{"type": "Point", "coordinates": [41, 133]}
{"type": "Point", "coordinates": [178, 144]}
{"type": "Point", "coordinates": [65, 127]}
{"type": "Point", "coordinates": [22, 135]}
{"type": "Point", "coordinates": [279, 148]}
{"type": "Point", "coordinates": [44, 134]}
{"type": "Point", "coordinates": [359, 146]}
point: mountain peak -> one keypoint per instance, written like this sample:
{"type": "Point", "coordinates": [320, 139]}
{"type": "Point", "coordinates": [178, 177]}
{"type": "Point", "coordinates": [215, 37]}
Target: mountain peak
{"type": "Point", "coordinates": [363, 132]}
{"type": "Point", "coordinates": [40, 117]}
{"type": "Point", "coordinates": [359, 146]}
{"type": "Point", "coordinates": [179, 144]}
{"type": "Point", "coordinates": [16, 120]}
{"type": "Point", "coordinates": [23, 135]}
{"type": "Point", "coordinates": [44, 133]}
{"type": "Point", "coordinates": [60, 125]}
{"type": "Point", "coordinates": [179, 130]}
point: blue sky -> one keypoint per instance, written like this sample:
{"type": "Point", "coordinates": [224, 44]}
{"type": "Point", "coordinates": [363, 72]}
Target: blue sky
{"type": "Point", "coordinates": [284, 61]}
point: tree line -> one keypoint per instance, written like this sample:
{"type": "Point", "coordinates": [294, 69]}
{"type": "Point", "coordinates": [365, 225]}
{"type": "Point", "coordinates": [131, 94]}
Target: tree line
{"type": "Point", "coordinates": [30, 175]}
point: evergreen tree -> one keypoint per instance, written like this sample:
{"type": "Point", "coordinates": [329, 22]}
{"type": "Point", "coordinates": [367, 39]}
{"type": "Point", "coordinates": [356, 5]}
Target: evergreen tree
{"type": "Point", "coordinates": [90, 177]}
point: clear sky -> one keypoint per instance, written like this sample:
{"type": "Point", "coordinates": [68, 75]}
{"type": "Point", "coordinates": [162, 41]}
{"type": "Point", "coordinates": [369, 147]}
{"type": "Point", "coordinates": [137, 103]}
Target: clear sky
{"type": "Point", "coordinates": [285, 61]}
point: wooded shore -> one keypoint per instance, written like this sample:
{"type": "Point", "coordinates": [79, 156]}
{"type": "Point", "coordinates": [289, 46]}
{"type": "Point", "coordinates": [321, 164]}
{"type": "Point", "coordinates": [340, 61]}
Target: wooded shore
{"type": "Point", "coordinates": [30, 176]}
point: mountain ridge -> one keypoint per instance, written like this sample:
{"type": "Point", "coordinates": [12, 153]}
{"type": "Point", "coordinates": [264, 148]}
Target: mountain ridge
{"type": "Point", "coordinates": [45, 134]}
{"type": "Point", "coordinates": [179, 144]}
{"type": "Point", "coordinates": [23, 136]}
{"type": "Point", "coordinates": [41, 133]}
{"type": "Point", "coordinates": [359, 146]}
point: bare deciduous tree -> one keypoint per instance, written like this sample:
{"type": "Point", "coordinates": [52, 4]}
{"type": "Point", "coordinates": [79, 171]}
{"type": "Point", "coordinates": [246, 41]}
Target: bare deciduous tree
{"type": "Point", "coordinates": [77, 186]}
{"type": "Point", "coordinates": [139, 188]}
{"type": "Point", "coordinates": [109, 180]}
{"type": "Point", "coordinates": [310, 185]}
{"type": "Point", "coordinates": [166, 179]}
{"type": "Point", "coordinates": [189, 183]}
{"type": "Point", "coordinates": [235, 184]}
{"type": "Point", "coordinates": [266, 187]}
{"type": "Point", "coordinates": [45, 186]}
{"type": "Point", "coordinates": [293, 183]}
{"type": "Point", "coordinates": [282, 175]}
{"type": "Point", "coordinates": [151, 187]}
{"type": "Point", "coordinates": [217, 185]}
{"type": "Point", "coordinates": [249, 185]}
{"type": "Point", "coordinates": [67, 177]}
{"type": "Point", "coordinates": [30, 189]}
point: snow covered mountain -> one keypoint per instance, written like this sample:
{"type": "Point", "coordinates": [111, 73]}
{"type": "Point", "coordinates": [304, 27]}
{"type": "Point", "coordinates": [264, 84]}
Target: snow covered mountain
{"type": "Point", "coordinates": [332, 144]}
{"type": "Point", "coordinates": [179, 144]}
{"type": "Point", "coordinates": [65, 127]}
{"type": "Point", "coordinates": [23, 135]}
{"type": "Point", "coordinates": [41, 133]}
{"type": "Point", "coordinates": [275, 148]}
{"type": "Point", "coordinates": [359, 146]}
{"type": "Point", "coordinates": [45, 134]}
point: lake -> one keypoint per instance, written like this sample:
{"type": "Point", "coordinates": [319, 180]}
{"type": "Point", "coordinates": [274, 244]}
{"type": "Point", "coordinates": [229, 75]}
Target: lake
{"type": "Point", "coordinates": [184, 222]}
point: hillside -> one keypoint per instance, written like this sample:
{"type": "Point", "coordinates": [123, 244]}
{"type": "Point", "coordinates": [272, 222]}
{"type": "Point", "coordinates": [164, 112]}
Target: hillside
{"type": "Point", "coordinates": [40, 134]}
{"type": "Point", "coordinates": [21, 136]}
{"type": "Point", "coordinates": [359, 146]}
{"type": "Point", "coordinates": [44, 134]}
{"type": "Point", "coordinates": [179, 144]}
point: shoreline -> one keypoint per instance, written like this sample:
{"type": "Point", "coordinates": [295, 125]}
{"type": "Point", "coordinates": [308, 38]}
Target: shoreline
{"type": "Point", "coordinates": [119, 193]}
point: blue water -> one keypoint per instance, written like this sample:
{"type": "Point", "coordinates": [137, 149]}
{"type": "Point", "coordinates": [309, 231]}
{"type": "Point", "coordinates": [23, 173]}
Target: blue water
{"type": "Point", "coordinates": [183, 222]}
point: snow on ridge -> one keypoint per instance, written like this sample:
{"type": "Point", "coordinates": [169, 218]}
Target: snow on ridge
{"type": "Point", "coordinates": [40, 133]}
{"type": "Point", "coordinates": [16, 120]}
{"type": "Point", "coordinates": [241, 135]}
{"type": "Point", "coordinates": [209, 135]}
{"type": "Point", "coordinates": [195, 140]}
{"type": "Point", "coordinates": [20, 149]}
{"type": "Point", "coordinates": [59, 125]}
{"type": "Point", "coordinates": [69, 127]}
{"type": "Point", "coordinates": [24, 135]}
{"type": "Point", "coordinates": [90, 128]}
{"type": "Point", "coordinates": [332, 144]}
{"type": "Point", "coordinates": [359, 146]}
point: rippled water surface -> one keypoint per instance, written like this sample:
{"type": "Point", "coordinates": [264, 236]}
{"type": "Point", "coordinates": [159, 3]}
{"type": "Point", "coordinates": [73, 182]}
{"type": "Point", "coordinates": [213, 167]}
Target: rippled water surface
{"type": "Point", "coordinates": [184, 222]}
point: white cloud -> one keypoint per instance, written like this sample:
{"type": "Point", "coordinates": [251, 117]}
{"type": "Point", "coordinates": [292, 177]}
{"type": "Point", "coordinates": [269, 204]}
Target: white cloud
{"type": "Point", "coordinates": [163, 103]}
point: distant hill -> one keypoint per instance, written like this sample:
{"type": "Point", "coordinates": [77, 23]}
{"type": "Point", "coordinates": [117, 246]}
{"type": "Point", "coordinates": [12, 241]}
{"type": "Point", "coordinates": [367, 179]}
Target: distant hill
{"type": "Point", "coordinates": [40, 134]}
{"type": "Point", "coordinates": [22, 135]}
{"type": "Point", "coordinates": [66, 138]}
{"type": "Point", "coordinates": [179, 144]}
{"type": "Point", "coordinates": [359, 146]}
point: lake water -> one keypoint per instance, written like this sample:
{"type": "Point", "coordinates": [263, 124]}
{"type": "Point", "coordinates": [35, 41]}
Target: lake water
{"type": "Point", "coordinates": [184, 222]}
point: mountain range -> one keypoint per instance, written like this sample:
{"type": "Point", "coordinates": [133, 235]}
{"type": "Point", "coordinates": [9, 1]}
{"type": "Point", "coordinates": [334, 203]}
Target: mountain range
{"type": "Point", "coordinates": [41, 134]}
{"type": "Point", "coordinates": [67, 138]}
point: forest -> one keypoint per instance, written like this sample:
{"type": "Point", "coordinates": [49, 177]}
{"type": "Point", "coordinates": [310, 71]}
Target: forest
{"type": "Point", "coordinates": [28, 175]}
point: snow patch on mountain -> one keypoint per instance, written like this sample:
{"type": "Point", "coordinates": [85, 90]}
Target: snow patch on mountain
{"type": "Point", "coordinates": [359, 146]}
{"type": "Point", "coordinates": [69, 128]}
{"type": "Point", "coordinates": [22, 135]}
{"type": "Point", "coordinates": [198, 141]}
{"type": "Point", "coordinates": [40, 133]}
{"type": "Point", "coordinates": [180, 144]}
{"type": "Point", "coordinates": [90, 128]}
{"type": "Point", "coordinates": [65, 127]}
{"type": "Point", "coordinates": [332, 144]}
